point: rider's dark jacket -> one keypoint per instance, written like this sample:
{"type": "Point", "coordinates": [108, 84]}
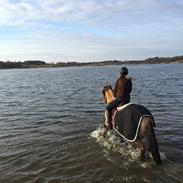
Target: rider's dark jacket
{"type": "Point", "coordinates": [122, 89]}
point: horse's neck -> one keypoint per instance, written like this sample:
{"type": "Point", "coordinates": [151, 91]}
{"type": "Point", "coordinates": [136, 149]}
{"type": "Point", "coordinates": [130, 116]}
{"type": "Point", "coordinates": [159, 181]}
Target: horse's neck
{"type": "Point", "coordinates": [109, 96]}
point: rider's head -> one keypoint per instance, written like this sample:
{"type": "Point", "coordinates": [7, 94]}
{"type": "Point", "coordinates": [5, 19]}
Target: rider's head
{"type": "Point", "coordinates": [124, 71]}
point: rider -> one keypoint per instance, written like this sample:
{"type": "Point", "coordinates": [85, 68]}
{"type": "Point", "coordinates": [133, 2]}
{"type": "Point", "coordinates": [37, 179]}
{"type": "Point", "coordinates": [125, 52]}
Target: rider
{"type": "Point", "coordinates": [122, 90]}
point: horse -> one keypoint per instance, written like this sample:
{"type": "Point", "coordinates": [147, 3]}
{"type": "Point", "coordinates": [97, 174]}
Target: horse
{"type": "Point", "coordinates": [145, 138]}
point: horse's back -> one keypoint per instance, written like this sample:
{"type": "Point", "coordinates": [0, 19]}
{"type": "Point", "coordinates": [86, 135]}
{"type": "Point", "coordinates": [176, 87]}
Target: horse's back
{"type": "Point", "coordinates": [127, 120]}
{"type": "Point", "coordinates": [134, 118]}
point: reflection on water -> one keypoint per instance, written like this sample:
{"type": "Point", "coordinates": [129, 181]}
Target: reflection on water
{"type": "Point", "coordinates": [50, 123]}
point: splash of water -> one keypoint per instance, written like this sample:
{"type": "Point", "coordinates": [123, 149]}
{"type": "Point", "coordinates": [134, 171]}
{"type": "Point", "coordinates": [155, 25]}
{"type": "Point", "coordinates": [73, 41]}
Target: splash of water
{"type": "Point", "coordinates": [113, 142]}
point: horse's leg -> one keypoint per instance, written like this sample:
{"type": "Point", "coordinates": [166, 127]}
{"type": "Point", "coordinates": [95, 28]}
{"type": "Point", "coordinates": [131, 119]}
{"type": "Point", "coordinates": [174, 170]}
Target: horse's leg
{"type": "Point", "coordinates": [147, 131]}
{"type": "Point", "coordinates": [106, 123]}
{"type": "Point", "coordinates": [106, 114]}
{"type": "Point", "coordinates": [105, 131]}
{"type": "Point", "coordinates": [153, 146]}
{"type": "Point", "coordinates": [141, 146]}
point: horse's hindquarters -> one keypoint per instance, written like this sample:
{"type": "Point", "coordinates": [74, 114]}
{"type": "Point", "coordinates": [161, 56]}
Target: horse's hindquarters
{"type": "Point", "coordinates": [127, 121]}
{"type": "Point", "coordinates": [136, 122]}
{"type": "Point", "coordinates": [147, 131]}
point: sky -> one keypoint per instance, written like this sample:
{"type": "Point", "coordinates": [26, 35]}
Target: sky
{"type": "Point", "coordinates": [90, 30]}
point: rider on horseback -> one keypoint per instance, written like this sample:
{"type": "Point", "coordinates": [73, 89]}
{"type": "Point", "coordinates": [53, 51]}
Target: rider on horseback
{"type": "Point", "coordinates": [122, 92]}
{"type": "Point", "coordinates": [132, 122]}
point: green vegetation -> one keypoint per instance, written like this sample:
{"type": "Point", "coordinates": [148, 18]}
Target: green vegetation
{"type": "Point", "coordinates": [39, 63]}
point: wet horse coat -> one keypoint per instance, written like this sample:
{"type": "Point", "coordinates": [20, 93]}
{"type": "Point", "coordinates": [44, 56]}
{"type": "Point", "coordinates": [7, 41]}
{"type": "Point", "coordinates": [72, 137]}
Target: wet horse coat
{"type": "Point", "coordinates": [127, 120]}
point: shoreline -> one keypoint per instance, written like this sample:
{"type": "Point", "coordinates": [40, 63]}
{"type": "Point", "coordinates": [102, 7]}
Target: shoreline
{"type": "Point", "coordinates": [43, 64]}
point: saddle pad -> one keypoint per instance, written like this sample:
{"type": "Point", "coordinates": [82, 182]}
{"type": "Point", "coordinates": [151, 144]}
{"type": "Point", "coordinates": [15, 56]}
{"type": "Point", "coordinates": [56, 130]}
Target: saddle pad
{"type": "Point", "coordinates": [127, 120]}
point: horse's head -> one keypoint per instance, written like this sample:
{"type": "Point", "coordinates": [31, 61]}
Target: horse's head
{"type": "Point", "coordinates": [107, 93]}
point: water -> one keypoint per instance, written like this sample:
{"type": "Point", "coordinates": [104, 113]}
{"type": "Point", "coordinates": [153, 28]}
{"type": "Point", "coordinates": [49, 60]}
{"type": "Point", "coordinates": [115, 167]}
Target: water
{"type": "Point", "coordinates": [50, 123]}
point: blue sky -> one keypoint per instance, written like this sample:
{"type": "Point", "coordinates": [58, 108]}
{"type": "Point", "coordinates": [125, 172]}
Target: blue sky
{"type": "Point", "coordinates": [90, 30]}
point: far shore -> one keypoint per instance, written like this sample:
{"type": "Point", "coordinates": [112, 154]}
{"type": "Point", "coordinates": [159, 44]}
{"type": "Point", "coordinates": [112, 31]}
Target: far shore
{"type": "Point", "coordinates": [43, 64]}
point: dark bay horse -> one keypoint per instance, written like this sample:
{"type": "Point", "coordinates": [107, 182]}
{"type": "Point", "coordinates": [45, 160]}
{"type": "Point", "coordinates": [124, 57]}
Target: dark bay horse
{"type": "Point", "coordinates": [144, 130]}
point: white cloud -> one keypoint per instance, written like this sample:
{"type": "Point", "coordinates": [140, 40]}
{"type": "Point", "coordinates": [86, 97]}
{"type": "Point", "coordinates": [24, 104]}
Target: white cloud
{"type": "Point", "coordinates": [61, 46]}
{"type": "Point", "coordinates": [90, 29]}
{"type": "Point", "coordinates": [85, 11]}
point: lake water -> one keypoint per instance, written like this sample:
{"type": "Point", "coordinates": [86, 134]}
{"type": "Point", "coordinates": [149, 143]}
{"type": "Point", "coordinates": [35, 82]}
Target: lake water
{"type": "Point", "coordinates": [50, 120]}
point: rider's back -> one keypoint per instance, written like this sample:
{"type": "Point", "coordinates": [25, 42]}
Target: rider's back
{"type": "Point", "coordinates": [123, 88]}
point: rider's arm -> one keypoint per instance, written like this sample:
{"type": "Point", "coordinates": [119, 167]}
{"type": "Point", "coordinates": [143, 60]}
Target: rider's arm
{"type": "Point", "coordinates": [129, 86]}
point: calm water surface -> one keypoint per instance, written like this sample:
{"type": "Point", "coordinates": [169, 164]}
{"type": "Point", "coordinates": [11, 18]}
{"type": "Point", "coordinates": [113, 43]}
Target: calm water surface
{"type": "Point", "coordinates": [50, 119]}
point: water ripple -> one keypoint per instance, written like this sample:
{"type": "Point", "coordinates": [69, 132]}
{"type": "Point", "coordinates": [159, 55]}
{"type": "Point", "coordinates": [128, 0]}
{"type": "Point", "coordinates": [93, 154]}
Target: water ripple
{"type": "Point", "coordinates": [47, 116]}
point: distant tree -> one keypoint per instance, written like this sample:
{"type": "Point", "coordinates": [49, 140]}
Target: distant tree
{"type": "Point", "coordinates": [34, 62]}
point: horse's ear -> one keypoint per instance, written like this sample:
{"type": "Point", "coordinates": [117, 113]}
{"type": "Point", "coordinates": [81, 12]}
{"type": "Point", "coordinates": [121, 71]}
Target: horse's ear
{"type": "Point", "coordinates": [106, 84]}
{"type": "Point", "coordinates": [106, 87]}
